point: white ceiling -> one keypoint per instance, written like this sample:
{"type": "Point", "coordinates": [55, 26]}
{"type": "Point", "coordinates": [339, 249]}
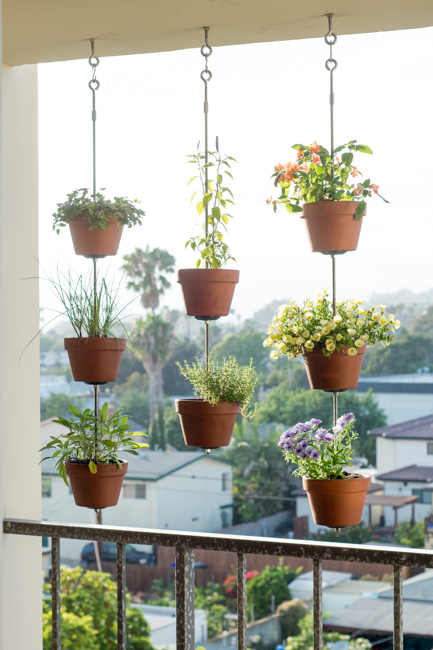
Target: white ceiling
{"type": "Point", "coordinates": [37, 31]}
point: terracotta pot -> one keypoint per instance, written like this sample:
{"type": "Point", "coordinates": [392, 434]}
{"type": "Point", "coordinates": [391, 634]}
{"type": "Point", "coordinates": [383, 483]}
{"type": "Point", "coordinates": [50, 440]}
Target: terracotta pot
{"type": "Point", "coordinates": [94, 243]}
{"type": "Point", "coordinates": [95, 360]}
{"type": "Point", "coordinates": [339, 371]}
{"type": "Point", "coordinates": [100, 490]}
{"type": "Point", "coordinates": [337, 502]}
{"type": "Point", "coordinates": [206, 426]}
{"type": "Point", "coordinates": [331, 226]}
{"type": "Point", "coordinates": [207, 293]}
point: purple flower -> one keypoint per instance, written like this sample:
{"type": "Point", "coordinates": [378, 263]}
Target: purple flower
{"type": "Point", "coordinates": [315, 454]}
{"type": "Point", "coordinates": [329, 436]}
{"type": "Point", "coordinates": [303, 455]}
{"type": "Point", "coordinates": [288, 445]}
{"type": "Point", "coordinates": [345, 419]}
{"type": "Point", "coordinates": [309, 449]}
{"type": "Point", "coordinates": [314, 422]}
{"type": "Point", "coordinates": [321, 435]}
{"type": "Point", "coordinates": [299, 450]}
{"type": "Point", "coordinates": [337, 429]}
{"type": "Point", "coordinates": [304, 442]}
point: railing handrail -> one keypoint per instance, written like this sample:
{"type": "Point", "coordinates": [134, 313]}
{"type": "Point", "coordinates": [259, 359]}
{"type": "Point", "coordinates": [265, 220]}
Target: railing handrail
{"type": "Point", "coordinates": [395, 556]}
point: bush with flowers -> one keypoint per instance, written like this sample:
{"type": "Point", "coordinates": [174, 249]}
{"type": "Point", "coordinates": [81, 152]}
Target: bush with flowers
{"type": "Point", "coordinates": [298, 329]}
{"type": "Point", "coordinates": [319, 453]}
{"type": "Point", "coordinates": [319, 176]}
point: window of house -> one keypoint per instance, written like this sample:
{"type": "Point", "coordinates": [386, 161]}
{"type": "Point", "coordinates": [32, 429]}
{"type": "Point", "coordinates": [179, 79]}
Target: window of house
{"type": "Point", "coordinates": [226, 482]}
{"type": "Point", "coordinates": [424, 496]}
{"type": "Point", "coordinates": [430, 447]}
{"type": "Point", "coordinates": [46, 487]}
{"type": "Point", "coordinates": [134, 491]}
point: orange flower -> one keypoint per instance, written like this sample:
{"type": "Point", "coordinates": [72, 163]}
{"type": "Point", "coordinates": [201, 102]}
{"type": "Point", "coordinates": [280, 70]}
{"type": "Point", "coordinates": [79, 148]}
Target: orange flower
{"type": "Point", "coordinates": [375, 188]}
{"type": "Point", "coordinates": [315, 147]}
{"type": "Point", "coordinates": [300, 154]}
{"type": "Point", "coordinates": [316, 159]}
{"type": "Point", "coordinates": [355, 172]}
{"type": "Point", "coordinates": [279, 167]}
{"type": "Point", "coordinates": [303, 168]}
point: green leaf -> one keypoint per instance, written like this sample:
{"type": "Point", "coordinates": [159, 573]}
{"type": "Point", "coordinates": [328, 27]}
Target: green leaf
{"type": "Point", "coordinates": [200, 207]}
{"type": "Point", "coordinates": [363, 148]}
{"type": "Point", "coordinates": [207, 197]}
{"type": "Point", "coordinates": [191, 179]}
{"type": "Point", "coordinates": [347, 158]}
{"type": "Point", "coordinates": [366, 183]}
{"type": "Point", "coordinates": [359, 210]}
{"type": "Point", "coordinates": [103, 413]}
{"type": "Point", "coordinates": [93, 467]}
{"type": "Point", "coordinates": [299, 147]}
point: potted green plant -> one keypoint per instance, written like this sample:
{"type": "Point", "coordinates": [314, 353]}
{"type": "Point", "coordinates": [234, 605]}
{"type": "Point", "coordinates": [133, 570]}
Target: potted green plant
{"type": "Point", "coordinates": [208, 291]}
{"type": "Point", "coordinates": [89, 455]}
{"type": "Point", "coordinates": [332, 346]}
{"type": "Point", "coordinates": [333, 202]}
{"type": "Point", "coordinates": [95, 352]}
{"type": "Point", "coordinates": [223, 390]}
{"type": "Point", "coordinates": [336, 496]}
{"type": "Point", "coordinates": [96, 223]}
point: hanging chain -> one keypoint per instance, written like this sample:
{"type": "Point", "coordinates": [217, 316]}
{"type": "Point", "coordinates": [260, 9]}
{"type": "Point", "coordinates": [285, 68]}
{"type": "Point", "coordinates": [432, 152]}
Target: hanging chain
{"type": "Point", "coordinates": [94, 85]}
{"type": "Point", "coordinates": [331, 65]}
{"type": "Point", "coordinates": [206, 76]}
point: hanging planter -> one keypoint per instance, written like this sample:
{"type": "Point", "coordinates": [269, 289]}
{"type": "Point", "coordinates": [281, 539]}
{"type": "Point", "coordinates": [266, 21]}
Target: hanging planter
{"type": "Point", "coordinates": [206, 426]}
{"type": "Point", "coordinates": [319, 184]}
{"type": "Point", "coordinates": [336, 497]}
{"type": "Point", "coordinates": [224, 390]}
{"type": "Point", "coordinates": [100, 490]}
{"type": "Point", "coordinates": [336, 372]}
{"type": "Point", "coordinates": [88, 455]}
{"type": "Point", "coordinates": [95, 360]}
{"type": "Point", "coordinates": [332, 226]}
{"type": "Point", "coordinates": [207, 293]}
{"type": "Point", "coordinates": [332, 344]}
{"type": "Point", "coordinates": [96, 223]}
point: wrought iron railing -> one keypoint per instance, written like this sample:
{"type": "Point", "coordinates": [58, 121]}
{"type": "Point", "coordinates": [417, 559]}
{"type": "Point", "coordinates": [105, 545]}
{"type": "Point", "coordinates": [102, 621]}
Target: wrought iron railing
{"type": "Point", "coordinates": [186, 543]}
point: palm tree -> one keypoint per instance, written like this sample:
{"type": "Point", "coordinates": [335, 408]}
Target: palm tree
{"type": "Point", "coordinates": [147, 270]}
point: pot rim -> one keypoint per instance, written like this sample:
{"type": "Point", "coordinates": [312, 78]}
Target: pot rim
{"type": "Point", "coordinates": [318, 348]}
{"type": "Point", "coordinates": [345, 485]}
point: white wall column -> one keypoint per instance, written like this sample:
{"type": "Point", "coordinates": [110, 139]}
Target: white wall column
{"type": "Point", "coordinates": [20, 485]}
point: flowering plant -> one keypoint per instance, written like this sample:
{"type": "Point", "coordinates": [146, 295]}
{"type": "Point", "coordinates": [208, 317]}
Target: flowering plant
{"type": "Point", "coordinates": [319, 453]}
{"type": "Point", "coordinates": [298, 329]}
{"type": "Point", "coordinates": [213, 250]}
{"type": "Point", "coordinates": [318, 176]}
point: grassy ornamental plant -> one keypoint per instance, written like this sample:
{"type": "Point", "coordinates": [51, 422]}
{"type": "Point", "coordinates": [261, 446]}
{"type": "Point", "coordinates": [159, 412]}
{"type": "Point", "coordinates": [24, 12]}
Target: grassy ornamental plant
{"type": "Point", "coordinates": [299, 329]}
{"type": "Point", "coordinates": [92, 440]}
{"type": "Point", "coordinates": [318, 176]}
{"type": "Point", "coordinates": [212, 249]}
{"type": "Point", "coordinates": [223, 382]}
{"type": "Point", "coordinates": [319, 453]}
{"type": "Point", "coordinates": [98, 210]}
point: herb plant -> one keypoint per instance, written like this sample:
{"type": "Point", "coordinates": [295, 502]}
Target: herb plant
{"type": "Point", "coordinates": [299, 329]}
{"type": "Point", "coordinates": [214, 252]}
{"type": "Point", "coordinates": [222, 382]}
{"type": "Point", "coordinates": [318, 176]}
{"type": "Point", "coordinates": [319, 453]}
{"type": "Point", "coordinates": [92, 439]}
{"type": "Point", "coordinates": [97, 210]}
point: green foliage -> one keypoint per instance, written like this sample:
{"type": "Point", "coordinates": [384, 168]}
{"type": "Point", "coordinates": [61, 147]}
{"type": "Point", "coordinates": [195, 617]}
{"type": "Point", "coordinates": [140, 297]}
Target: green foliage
{"type": "Point", "coordinates": [319, 176]}
{"type": "Point", "coordinates": [174, 382]}
{"type": "Point", "coordinates": [291, 612]}
{"type": "Point", "coordinates": [298, 329]}
{"type": "Point", "coordinates": [406, 354]}
{"type": "Point", "coordinates": [88, 605]}
{"type": "Point", "coordinates": [157, 431]}
{"type": "Point", "coordinates": [245, 345]}
{"type": "Point", "coordinates": [351, 535]}
{"type": "Point", "coordinates": [424, 323]}
{"type": "Point", "coordinates": [173, 429]}
{"type": "Point", "coordinates": [133, 396]}
{"type": "Point", "coordinates": [147, 270]}
{"type": "Point", "coordinates": [213, 600]}
{"type": "Point", "coordinates": [57, 404]}
{"type": "Point", "coordinates": [407, 535]}
{"type": "Point", "coordinates": [92, 439]}
{"type": "Point", "coordinates": [222, 382]}
{"type": "Point", "coordinates": [97, 210]}
{"type": "Point", "coordinates": [284, 405]}
{"type": "Point", "coordinates": [152, 339]}
{"type": "Point", "coordinates": [272, 581]}
{"type": "Point", "coordinates": [216, 196]}
{"type": "Point", "coordinates": [305, 640]}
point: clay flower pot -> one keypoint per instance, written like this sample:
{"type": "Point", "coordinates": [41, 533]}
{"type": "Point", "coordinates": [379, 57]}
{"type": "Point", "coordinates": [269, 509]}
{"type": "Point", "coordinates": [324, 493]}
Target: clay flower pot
{"type": "Point", "coordinates": [337, 372]}
{"type": "Point", "coordinates": [95, 360]}
{"type": "Point", "coordinates": [207, 293]}
{"type": "Point", "coordinates": [94, 243]}
{"type": "Point", "coordinates": [336, 502]}
{"type": "Point", "coordinates": [206, 426]}
{"type": "Point", "coordinates": [100, 490]}
{"type": "Point", "coordinates": [331, 226]}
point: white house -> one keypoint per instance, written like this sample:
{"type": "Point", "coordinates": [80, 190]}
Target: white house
{"type": "Point", "coordinates": [162, 622]}
{"type": "Point", "coordinates": [175, 490]}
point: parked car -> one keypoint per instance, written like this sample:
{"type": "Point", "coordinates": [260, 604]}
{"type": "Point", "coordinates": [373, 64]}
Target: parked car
{"type": "Point", "coordinates": [109, 554]}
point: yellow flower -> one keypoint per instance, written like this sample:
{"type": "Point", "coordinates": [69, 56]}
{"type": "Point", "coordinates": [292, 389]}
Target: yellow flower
{"type": "Point", "coordinates": [330, 345]}
{"type": "Point", "coordinates": [309, 345]}
{"type": "Point", "coordinates": [350, 351]}
{"type": "Point", "coordinates": [339, 337]}
{"type": "Point", "coordinates": [383, 320]}
{"type": "Point", "coordinates": [361, 311]}
{"type": "Point", "coordinates": [351, 332]}
{"type": "Point", "coordinates": [308, 315]}
{"type": "Point", "coordinates": [364, 337]}
{"type": "Point", "coordinates": [266, 343]}
{"type": "Point", "coordinates": [376, 315]}
{"type": "Point", "coordinates": [326, 330]}
{"type": "Point", "coordinates": [397, 324]}
{"type": "Point", "coordinates": [338, 318]}
{"type": "Point", "coordinates": [274, 355]}
{"type": "Point", "coordinates": [315, 337]}
{"type": "Point", "coordinates": [306, 334]}
{"type": "Point", "coordinates": [299, 340]}
{"type": "Point", "coordinates": [359, 343]}
{"type": "Point", "coordinates": [323, 322]}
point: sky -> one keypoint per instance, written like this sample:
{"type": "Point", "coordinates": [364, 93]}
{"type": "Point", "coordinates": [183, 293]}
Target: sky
{"type": "Point", "coordinates": [262, 99]}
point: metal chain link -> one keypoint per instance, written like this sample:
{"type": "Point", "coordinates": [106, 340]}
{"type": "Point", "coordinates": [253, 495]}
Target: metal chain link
{"type": "Point", "coordinates": [94, 85]}
{"type": "Point", "coordinates": [331, 65]}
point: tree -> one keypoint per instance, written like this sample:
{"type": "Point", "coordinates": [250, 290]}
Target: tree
{"type": "Point", "coordinates": [174, 382]}
{"type": "Point", "coordinates": [88, 609]}
{"type": "Point", "coordinates": [133, 396]}
{"type": "Point", "coordinates": [291, 612]}
{"type": "Point", "coordinates": [245, 345]}
{"type": "Point", "coordinates": [212, 599]}
{"type": "Point", "coordinates": [173, 429]}
{"type": "Point", "coordinates": [424, 323]}
{"type": "Point", "coordinates": [306, 637]}
{"type": "Point", "coordinates": [58, 404]}
{"type": "Point", "coordinates": [147, 270]}
{"type": "Point", "coordinates": [286, 407]}
{"type": "Point", "coordinates": [407, 535]}
{"type": "Point", "coordinates": [152, 340]}
{"type": "Point", "coordinates": [272, 583]}
{"type": "Point", "coordinates": [406, 354]}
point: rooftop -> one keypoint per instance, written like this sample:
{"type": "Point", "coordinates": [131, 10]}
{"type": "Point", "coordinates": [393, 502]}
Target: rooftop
{"type": "Point", "coordinates": [414, 473]}
{"type": "Point", "coordinates": [419, 429]}
{"type": "Point", "coordinates": [419, 382]}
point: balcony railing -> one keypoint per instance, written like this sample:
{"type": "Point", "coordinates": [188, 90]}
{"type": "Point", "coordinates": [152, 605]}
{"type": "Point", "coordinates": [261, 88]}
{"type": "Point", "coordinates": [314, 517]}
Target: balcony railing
{"type": "Point", "coordinates": [186, 543]}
